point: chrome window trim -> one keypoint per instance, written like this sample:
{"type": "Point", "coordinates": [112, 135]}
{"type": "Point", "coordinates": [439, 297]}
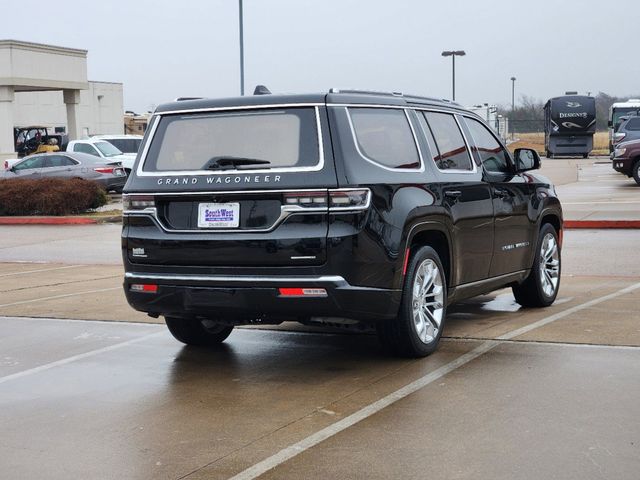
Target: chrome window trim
{"type": "Point", "coordinates": [464, 139]}
{"type": "Point", "coordinates": [315, 168]}
{"type": "Point", "coordinates": [374, 162]}
{"type": "Point", "coordinates": [239, 107]}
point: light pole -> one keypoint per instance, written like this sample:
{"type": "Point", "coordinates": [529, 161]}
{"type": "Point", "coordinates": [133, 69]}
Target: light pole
{"type": "Point", "coordinates": [513, 101]}
{"type": "Point", "coordinates": [453, 54]}
{"type": "Point", "coordinates": [513, 93]}
{"type": "Point", "coordinates": [240, 15]}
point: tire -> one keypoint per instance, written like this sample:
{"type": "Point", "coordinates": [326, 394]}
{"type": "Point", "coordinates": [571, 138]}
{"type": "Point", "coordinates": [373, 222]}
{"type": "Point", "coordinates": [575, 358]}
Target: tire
{"type": "Point", "coordinates": [191, 331]}
{"type": "Point", "coordinates": [540, 288]}
{"type": "Point", "coordinates": [636, 171]}
{"type": "Point", "coordinates": [415, 333]}
{"type": "Point", "coordinates": [585, 155]}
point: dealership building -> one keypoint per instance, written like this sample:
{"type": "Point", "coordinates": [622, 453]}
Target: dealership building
{"type": "Point", "coordinates": [47, 86]}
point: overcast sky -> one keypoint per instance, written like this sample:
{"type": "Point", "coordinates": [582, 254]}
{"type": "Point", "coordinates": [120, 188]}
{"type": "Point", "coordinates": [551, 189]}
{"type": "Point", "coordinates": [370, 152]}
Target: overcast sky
{"type": "Point", "coordinates": [163, 49]}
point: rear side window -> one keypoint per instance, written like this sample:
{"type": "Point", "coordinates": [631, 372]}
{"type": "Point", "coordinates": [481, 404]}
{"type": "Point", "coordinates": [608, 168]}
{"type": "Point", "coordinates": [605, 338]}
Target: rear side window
{"type": "Point", "coordinates": [633, 125]}
{"type": "Point", "coordinates": [126, 145]}
{"type": "Point", "coordinates": [452, 153]}
{"type": "Point", "coordinates": [384, 136]}
{"type": "Point", "coordinates": [283, 138]}
{"type": "Point", "coordinates": [492, 155]}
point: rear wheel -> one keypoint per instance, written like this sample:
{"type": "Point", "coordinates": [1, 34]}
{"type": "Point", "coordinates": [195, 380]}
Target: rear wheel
{"type": "Point", "coordinates": [198, 332]}
{"type": "Point", "coordinates": [541, 286]}
{"type": "Point", "coordinates": [418, 327]}
{"type": "Point", "coordinates": [636, 172]}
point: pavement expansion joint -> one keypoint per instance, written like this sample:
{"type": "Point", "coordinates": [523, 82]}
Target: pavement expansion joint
{"type": "Point", "coordinates": [60, 284]}
{"type": "Point", "coordinates": [544, 343]}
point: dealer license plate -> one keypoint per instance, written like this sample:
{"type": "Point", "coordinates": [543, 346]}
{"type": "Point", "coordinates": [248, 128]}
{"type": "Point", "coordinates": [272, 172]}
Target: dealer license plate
{"type": "Point", "coordinates": [218, 215]}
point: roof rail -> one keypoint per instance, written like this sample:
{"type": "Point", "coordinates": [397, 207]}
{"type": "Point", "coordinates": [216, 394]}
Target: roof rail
{"type": "Point", "coordinates": [410, 98]}
{"type": "Point", "coordinates": [182, 99]}
{"type": "Point", "coordinates": [365, 92]}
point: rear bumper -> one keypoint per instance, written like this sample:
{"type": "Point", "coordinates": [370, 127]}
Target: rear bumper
{"type": "Point", "coordinates": [245, 298]}
{"type": "Point", "coordinates": [111, 182]}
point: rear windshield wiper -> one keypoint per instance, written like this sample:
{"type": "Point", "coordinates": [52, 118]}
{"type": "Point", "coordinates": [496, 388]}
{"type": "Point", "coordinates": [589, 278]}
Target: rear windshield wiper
{"type": "Point", "coordinates": [227, 162]}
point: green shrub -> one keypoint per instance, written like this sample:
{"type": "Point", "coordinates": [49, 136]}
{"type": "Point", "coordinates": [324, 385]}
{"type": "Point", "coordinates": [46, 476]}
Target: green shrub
{"type": "Point", "coordinates": [51, 196]}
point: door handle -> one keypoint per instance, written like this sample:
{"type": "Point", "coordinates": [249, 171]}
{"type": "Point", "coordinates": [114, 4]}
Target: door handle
{"type": "Point", "coordinates": [499, 192]}
{"type": "Point", "coordinates": [452, 193]}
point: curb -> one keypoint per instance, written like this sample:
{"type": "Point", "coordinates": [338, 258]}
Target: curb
{"type": "Point", "coordinates": [601, 224]}
{"type": "Point", "coordinates": [59, 220]}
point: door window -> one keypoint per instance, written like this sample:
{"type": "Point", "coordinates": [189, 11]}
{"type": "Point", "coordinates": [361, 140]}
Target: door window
{"type": "Point", "coordinates": [452, 152]}
{"type": "Point", "coordinates": [494, 158]}
{"type": "Point", "coordinates": [85, 148]}
{"type": "Point", "coordinates": [59, 161]}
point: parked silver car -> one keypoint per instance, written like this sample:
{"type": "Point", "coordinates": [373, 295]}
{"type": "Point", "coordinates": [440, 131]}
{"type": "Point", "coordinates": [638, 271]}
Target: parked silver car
{"type": "Point", "coordinates": [111, 175]}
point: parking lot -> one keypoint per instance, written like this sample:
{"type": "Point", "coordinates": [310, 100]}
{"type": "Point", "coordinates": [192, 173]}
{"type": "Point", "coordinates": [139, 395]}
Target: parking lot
{"type": "Point", "coordinates": [91, 389]}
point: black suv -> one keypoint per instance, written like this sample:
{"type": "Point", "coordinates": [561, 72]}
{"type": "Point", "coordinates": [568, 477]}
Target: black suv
{"type": "Point", "coordinates": [333, 208]}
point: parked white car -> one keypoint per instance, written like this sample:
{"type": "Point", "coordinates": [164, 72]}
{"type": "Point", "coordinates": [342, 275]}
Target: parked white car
{"type": "Point", "coordinates": [103, 149]}
{"type": "Point", "coordinates": [127, 144]}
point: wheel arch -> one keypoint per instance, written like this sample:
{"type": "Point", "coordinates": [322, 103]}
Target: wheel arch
{"type": "Point", "coordinates": [436, 236]}
{"type": "Point", "coordinates": [554, 218]}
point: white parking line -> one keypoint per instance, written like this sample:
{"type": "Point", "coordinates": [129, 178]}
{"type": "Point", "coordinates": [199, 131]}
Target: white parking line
{"type": "Point", "coordinates": [620, 202]}
{"type": "Point", "coordinates": [291, 451]}
{"type": "Point", "coordinates": [38, 271]}
{"type": "Point", "coordinates": [64, 361]}
{"type": "Point", "coordinates": [53, 297]}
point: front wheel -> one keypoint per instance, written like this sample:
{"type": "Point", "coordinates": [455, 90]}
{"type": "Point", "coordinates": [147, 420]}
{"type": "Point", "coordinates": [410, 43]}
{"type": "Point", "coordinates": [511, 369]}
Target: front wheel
{"type": "Point", "coordinates": [418, 327]}
{"type": "Point", "coordinates": [193, 331]}
{"type": "Point", "coordinates": [540, 288]}
{"type": "Point", "coordinates": [636, 172]}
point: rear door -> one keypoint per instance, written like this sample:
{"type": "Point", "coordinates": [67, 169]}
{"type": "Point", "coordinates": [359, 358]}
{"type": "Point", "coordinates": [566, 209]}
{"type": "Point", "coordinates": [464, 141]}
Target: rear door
{"type": "Point", "coordinates": [59, 166]}
{"type": "Point", "coordinates": [244, 187]}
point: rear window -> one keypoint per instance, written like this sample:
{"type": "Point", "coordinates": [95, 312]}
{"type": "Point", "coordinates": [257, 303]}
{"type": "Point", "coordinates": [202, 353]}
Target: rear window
{"type": "Point", "coordinates": [125, 145]}
{"type": "Point", "coordinates": [284, 138]}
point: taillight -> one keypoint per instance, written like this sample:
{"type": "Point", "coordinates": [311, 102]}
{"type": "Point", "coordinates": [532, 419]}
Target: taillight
{"type": "Point", "coordinates": [137, 202]}
{"type": "Point", "coordinates": [308, 199]}
{"type": "Point", "coordinates": [339, 199]}
{"type": "Point", "coordinates": [104, 169]}
{"type": "Point", "coordinates": [349, 199]}
{"type": "Point", "coordinates": [618, 137]}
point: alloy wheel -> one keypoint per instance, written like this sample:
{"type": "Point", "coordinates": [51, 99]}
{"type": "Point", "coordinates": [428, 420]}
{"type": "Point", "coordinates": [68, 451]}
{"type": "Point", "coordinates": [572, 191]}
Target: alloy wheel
{"type": "Point", "coordinates": [549, 265]}
{"type": "Point", "coordinates": [427, 301]}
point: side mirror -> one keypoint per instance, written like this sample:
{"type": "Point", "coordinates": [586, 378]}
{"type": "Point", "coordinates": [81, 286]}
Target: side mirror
{"type": "Point", "coordinates": [526, 159]}
{"type": "Point", "coordinates": [610, 124]}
